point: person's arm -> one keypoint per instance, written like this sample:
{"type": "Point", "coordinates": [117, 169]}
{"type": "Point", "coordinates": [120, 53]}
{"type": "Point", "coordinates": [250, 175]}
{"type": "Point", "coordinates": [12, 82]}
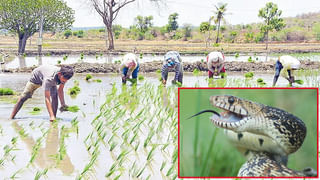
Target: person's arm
{"type": "Point", "coordinates": [164, 73]}
{"type": "Point", "coordinates": [177, 71]}
{"type": "Point", "coordinates": [210, 68]}
{"type": "Point", "coordinates": [61, 96]}
{"type": "Point", "coordinates": [130, 70]}
{"type": "Point", "coordinates": [49, 105]}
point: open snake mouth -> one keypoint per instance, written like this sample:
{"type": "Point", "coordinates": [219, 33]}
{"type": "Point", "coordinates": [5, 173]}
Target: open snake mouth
{"type": "Point", "coordinates": [226, 119]}
{"type": "Point", "coordinates": [232, 116]}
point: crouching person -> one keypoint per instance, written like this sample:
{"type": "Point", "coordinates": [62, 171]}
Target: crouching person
{"type": "Point", "coordinates": [215, 62]}
{"type": "Point", "coordinates": [128, 67]}
{"type": "Point", "coordinates": [172, 60]}
{"type": "Point", "coordinates": [286, 65]}
{"type": "Point", "coordinates": [49, 77]}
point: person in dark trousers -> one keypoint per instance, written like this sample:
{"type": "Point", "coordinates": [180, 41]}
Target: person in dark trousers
{"type": "Point", "coordinates": [49, 77]}
{"type": "Point", "coordinates": [286, 65]}
{"type": "Point", "coordinates": [172, 60]}
{"type": "Point", "coordinates": [129, 67]}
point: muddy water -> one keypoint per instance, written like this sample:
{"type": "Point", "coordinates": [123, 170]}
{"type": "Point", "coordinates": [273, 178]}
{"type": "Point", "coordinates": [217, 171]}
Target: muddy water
{"type": "Point", "coordinates": [36, 129]}
{"type": "Point", "coordinates": [34, 61]}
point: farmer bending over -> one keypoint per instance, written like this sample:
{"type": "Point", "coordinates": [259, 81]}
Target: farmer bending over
{"type": "Point", "coordinates": [49, 77]}
{"type": "Point", "coordinates": [129, 66]}
{"type": "Point", "coordinates": [215, 62]}
{"type": "Point", "coordinates": [287, 64]}
{"type": "Point", "coordinates": [172, 60]}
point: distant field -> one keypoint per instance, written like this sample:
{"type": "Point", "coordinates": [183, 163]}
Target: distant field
{"type": "Point", "coordinates": [9, 44]}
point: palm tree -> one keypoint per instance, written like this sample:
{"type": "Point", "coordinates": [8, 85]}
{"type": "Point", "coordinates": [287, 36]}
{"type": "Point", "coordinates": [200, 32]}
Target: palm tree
{"type": "Point", "coordinates": [220, 12]}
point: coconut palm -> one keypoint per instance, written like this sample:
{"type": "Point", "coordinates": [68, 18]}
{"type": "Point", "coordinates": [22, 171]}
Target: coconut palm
{"type": "Point", "coordinates": [219, 12]}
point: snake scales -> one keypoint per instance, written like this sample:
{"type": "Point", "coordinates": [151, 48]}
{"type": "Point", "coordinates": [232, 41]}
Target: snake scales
{"type": "Point", "coordinates": [265, 135]}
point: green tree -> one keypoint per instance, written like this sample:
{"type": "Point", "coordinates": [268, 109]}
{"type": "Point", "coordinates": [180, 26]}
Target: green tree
{"type": "Point", "coordinates": [144, 23]}
{"type": "Point", "coordinates": [233, 35]}
{"type": "Point", "coordinates": [23, 17]}
{"type": "Point", "coordinates": [248, 37]}
{"type": "Point", "coordinates": [272, 20]}
{"type": "Point", "coordinates": [186, 31]}
{"type": "Point", "coordinates": [172, 22]}
{"type": "Point", "coordinates": [204, 28]}
{"type": "Point", "coordinates": [220, 12]}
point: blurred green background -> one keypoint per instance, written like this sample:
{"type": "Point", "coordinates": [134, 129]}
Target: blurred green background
{"type": "Point", "coordinates": [205, 150]}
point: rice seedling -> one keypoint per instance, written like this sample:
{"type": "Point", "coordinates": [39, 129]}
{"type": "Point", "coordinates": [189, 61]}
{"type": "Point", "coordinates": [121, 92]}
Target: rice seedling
{"type": "Point", "coordinates": [14, 175]}
{"type": "Point", "coordinates": [65, 57]}
{"type": "Point", "coordinates": [250, 59]}
{"type": "Point", "coordinates": [73, 109]}
{"type": "Point", "coordinates": [97, 80]}
{"type": "Point", "coordinates": [236, 55]}
{"type": "Point", "coordinates": [140, 78]}
{"type": "Point", "coordinates": [88, 77]}
{"type": "Point", "coordinates": [163, 165]}
{"type": "Point", "coordinates": [35, 150]}
{"type": "Point", "coordinates": [74, 91]}
{"type": "Point", "coordinates": [6, 91]}
{"type": "Point", "coordinates": [39, 174]}
{"type": "Point", "coordinates": [81, 56]}
{"type": "Point", "coordinates": [150, 154]}
{"type": "Point", "coordinates": [35, 111]}
{"type": "Point", "coordinates": [14, 141]}
{"type": "Point", "coordinates": [196, 72]}
{"type": "Point", "coordinates": [249, 75]}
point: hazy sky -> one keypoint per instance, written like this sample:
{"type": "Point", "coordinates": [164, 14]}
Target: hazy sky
{"type": "Point", "coordinates": [190, 11]}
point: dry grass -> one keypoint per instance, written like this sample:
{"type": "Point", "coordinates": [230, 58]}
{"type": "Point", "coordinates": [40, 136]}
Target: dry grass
{"type": "Point", "coordinates": [94, 45]}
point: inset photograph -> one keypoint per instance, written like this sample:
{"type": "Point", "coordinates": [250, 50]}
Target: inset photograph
{"type": "Point", "coordinates": [245, 132]}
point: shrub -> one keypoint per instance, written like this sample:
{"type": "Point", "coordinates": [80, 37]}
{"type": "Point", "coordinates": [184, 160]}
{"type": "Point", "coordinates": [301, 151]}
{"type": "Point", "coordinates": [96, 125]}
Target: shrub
{"type": "Point", "coordinates": [67, 33]}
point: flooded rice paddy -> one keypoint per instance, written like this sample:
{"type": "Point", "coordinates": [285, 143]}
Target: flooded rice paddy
{"type": "Point", "coordinates": [118, 133]}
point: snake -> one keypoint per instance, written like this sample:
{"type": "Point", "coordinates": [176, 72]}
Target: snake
{"type": "Point", "coordinates": [265, 135]}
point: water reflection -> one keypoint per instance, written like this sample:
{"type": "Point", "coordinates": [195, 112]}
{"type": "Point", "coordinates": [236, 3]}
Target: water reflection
{"type": "Point", "coordinates": [22, 61]}
{"type": "Point", "coordinates": [108, 58]}
{"type": "Point", "coordinates": [39, 60]}
{"type": "Point", "coordinates": [47, 156]}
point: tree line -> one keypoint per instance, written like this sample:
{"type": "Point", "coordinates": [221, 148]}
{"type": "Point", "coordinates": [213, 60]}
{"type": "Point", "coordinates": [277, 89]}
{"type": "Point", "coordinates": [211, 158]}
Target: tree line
{"type": "Point", "coordinates": [26, 17]}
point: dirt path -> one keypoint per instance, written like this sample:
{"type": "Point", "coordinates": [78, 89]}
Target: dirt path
{"type": "Point", "coordinates": [187, 66]}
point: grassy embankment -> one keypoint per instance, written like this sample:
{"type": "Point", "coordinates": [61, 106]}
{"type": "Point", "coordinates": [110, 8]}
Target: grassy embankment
{"type": "Point", "coordinates": [9, 44]}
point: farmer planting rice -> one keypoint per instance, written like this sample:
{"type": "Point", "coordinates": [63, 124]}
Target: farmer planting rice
{"type": "Point", "coordinates": [129, 66]}
{"type": "Point", "coordinates": [49, 77]}
{"type": "Point", "coordinates": [287, 64]}
{"type": "Point", "coordinates": [172, 60]}
{"type": "Point", "coordinates": [215, 62]}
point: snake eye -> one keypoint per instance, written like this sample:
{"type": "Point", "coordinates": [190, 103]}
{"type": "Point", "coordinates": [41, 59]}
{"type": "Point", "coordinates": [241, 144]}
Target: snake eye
{"type": "Point", "coordinates": [231, 99]}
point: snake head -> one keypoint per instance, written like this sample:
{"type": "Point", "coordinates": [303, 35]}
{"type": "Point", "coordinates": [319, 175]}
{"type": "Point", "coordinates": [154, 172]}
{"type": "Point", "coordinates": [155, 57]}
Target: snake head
{"type": "Point", "coordinates": [235, 113]}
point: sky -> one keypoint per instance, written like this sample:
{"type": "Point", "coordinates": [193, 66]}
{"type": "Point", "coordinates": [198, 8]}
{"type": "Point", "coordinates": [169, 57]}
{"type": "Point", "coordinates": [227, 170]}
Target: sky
{"type": "Point", "coordinates": [190, 11]}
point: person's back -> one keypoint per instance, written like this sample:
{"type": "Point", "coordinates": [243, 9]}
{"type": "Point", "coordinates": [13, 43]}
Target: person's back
{"type": "Point", "coordinates": [289, 62]}
{"type": "Point", "coordinates": [172, 60]}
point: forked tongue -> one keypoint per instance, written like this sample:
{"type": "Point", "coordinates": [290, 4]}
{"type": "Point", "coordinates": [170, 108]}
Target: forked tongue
{"type": "Point", "coordinates": [205, 111]}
